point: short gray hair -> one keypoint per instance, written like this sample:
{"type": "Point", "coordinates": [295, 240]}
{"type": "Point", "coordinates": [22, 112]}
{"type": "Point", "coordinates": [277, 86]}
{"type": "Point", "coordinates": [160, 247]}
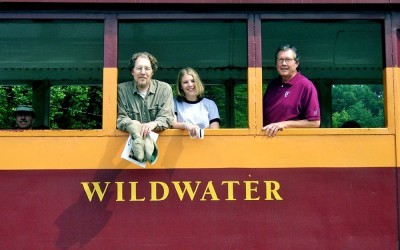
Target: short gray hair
{"type": "Point", "coordinates": [285, 48]}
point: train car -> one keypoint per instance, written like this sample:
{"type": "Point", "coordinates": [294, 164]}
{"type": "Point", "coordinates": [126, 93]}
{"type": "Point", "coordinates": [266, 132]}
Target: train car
{"type": "Point", "coordinates": [306, 188]}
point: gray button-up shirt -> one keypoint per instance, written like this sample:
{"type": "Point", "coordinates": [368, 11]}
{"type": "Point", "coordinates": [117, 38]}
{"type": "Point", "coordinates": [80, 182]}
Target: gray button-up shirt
{"type": "Point", "coordinates": [157, 105]}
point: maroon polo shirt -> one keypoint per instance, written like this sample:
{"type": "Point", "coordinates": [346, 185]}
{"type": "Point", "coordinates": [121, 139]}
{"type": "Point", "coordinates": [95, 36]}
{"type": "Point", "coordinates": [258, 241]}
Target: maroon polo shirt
{"type": "Point", "coordinates": [296, 99]}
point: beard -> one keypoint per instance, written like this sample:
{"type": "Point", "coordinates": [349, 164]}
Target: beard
{"type": "Point", "coordinates": [143, 84]}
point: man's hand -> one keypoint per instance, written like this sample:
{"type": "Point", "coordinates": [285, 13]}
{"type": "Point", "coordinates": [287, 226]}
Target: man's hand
{"type": "Point", "coordinates": [146, 128]}
{"type": "Point", "coordinates": [273, 128]}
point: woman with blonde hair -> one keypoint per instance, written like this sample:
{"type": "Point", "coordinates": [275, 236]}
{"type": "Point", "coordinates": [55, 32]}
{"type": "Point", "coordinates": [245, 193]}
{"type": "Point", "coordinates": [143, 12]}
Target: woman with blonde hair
{"type": "Point", "coordinates": [192, 110]}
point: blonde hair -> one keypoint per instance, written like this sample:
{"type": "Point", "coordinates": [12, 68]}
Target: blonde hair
{"type": "Point", "coordinates": [197, 81]}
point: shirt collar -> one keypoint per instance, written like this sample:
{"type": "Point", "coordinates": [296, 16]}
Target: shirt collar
{"type": "Point", "coordinates": [193, 102]}
{"type": "Point", "coordinates": [293, 79]}
{"type": "Point", "coordinates": [152, 88]}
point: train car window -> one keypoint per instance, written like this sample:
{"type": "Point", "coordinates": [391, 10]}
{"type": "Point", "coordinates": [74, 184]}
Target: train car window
{"type": "Point", "coordinates": [55, 66]}
{"type": "Point", "coordinates": [10, 97]}
{"type": "Point", "coordinates": [217, 50]}
{"type": "Point", "coordinates": [343, 58]}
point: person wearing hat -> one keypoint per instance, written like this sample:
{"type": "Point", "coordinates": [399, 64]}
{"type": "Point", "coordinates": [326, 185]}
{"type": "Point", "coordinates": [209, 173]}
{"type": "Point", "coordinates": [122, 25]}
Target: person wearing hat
{"type": "Point", "coordinates": [24, 117]}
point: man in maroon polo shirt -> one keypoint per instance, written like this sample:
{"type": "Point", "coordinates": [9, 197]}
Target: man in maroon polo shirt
{"type": "Point", "coordinates": [291, 100]}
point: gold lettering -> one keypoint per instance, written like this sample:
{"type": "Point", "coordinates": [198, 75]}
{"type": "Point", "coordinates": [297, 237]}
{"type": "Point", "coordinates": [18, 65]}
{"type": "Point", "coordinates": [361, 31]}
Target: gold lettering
{"type": "Point", "coordinates": [134, 192]}
{"type": "Point", "coordinates": [96, 189]}
{"type": "Point", "coordinates": [231, 196]}
{"type": "Point", "coordinates": [188, 189]}
{"type": "Point", "coordinates": [250, 190]}
{"type": "Point", "coordinates": [159, 191]}
{"type": "Point", "coordinates": [165, 188]}
{"type": "Point", "coordinates": [210, 190]}
{"type": "Point", "coordinates": [120, 192]}
{"type": "Point", "coordinates": [269, 190]}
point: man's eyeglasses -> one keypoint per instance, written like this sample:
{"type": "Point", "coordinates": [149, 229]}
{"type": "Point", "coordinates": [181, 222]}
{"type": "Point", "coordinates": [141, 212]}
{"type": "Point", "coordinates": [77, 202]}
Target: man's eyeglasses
{"type": "Point", "coordinates": [287, 60]}
{"type": "Point", "coordinates": [140, 69]}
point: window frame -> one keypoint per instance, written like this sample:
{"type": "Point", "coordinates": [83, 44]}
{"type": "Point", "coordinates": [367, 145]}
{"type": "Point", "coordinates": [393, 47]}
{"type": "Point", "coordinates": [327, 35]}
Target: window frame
{"type": "Point", "coordinates": [254, 71]}
{"type": "Point", "coordinates": [386, 75]}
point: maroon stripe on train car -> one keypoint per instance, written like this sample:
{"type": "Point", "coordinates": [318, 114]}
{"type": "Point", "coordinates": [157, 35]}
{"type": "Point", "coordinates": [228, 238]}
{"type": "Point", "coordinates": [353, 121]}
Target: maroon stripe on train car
{"type": "Point", "coordinates": [395, 39]}
{"type": "Point", "coordinates": [213, 1]}
{"type": "Point", "coordinates": [254, 43]}
{"type": "Point", "coordinates": [322, 208]}
{"type": "Point", "coordinates": [110, 42]}
{"type": "Point", "coordinates": [389, 43]}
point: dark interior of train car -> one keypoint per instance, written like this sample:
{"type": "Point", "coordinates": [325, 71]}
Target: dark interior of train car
{"type": "Point", "coordinates": [45, 54]}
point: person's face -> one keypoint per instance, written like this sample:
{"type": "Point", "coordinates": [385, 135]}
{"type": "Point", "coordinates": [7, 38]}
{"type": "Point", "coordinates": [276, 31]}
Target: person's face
{"type": "Point", "coordinates": [286, 64]}
{"type": "Point", "coordinates": [24, 120]}
{"type": "Point", "coordinates": [142, 72]}
{"type": "Point", "coordinates": [188, 86]}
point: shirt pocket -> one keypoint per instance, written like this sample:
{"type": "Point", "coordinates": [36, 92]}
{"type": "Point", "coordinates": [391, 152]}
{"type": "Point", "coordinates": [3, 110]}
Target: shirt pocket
{"type": "Point", "coordinates": [153, 112]}
{"type": "Point", "coordinates": [133, 115]}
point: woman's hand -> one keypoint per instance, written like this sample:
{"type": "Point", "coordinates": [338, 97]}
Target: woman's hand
{"type": "Point", "coordinates": [193, 129]}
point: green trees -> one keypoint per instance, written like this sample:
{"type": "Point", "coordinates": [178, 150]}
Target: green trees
{"type": "Point", "coordinates": [362, 103]}
{"type": "Point", "coordinates": [10, 98]}
{"type": "Point", "coordinates": [76, 107]}
{"type": "Point", "coordinates": [71, 107]}
{"type": "Point", "coordinates": [80, 107]}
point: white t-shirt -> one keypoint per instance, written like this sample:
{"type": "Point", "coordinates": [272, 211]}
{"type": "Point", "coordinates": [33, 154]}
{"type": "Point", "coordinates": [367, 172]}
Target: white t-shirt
{"type": "Point", "coordinates": [201, 112]}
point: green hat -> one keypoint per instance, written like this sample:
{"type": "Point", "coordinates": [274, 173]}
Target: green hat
{"type": "Point", "coordinates": [24, 109]}
{"type": "Point", "coordinates": [150, 150]}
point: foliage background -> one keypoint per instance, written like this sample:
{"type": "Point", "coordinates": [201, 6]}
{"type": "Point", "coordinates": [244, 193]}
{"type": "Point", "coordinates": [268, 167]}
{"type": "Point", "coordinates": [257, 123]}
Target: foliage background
{"type": "Point", "coordinates": [71, 107]}
{"type": "Point", "coordinates": [361, 103]}
{"type": "Point", "coordinates": [80, 107]}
